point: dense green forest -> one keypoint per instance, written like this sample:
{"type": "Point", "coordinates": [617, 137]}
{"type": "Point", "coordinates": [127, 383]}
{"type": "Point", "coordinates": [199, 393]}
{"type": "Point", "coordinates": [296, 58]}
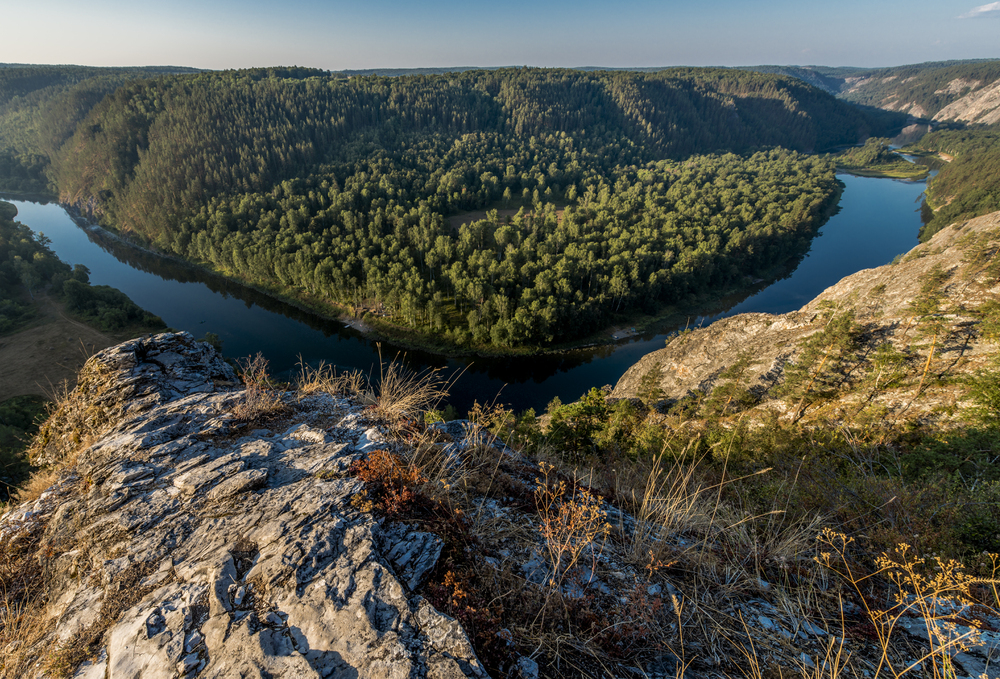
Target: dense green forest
{"type": "Point", "coordinates": [643, 236]}
{"type": "Point", "coordinates": [877, 159]}
{"type": "Point", "coordinates": [337, 191]}
{"type": "Point", "coordinates": [40, 107]}
{"type": "Point", "coordinates": [28, 267]}
{"type": "Point", "coordinates": [969, 185]}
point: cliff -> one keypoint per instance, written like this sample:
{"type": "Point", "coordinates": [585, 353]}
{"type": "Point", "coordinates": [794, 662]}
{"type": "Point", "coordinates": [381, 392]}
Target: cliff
{"type": "Point", "coordinates": [957, 267]}
{"type": "Point", "coordinates": [180, 544]}
{"type": "Point", "coordinates": [980, 106]}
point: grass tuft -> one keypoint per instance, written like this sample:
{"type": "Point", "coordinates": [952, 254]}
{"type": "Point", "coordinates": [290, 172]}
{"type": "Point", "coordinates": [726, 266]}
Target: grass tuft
{"type": "Point", "coordinates": [260, 398]}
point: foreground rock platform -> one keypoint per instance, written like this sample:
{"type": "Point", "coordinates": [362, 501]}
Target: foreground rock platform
{"type": "Point", "coordinates": [185, 545]}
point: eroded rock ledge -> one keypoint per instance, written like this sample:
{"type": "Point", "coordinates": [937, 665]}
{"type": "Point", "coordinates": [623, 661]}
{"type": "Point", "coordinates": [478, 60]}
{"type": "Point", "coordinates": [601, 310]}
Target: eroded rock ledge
{"type": "Point", "coordinates": [881, 300]}
{"type": "Point", "coordinates": [206, 550]}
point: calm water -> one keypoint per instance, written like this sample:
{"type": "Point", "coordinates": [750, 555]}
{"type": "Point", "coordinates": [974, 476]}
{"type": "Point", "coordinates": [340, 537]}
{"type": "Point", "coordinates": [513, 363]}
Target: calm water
{"type": "Point", "coordinates": [878, 219]}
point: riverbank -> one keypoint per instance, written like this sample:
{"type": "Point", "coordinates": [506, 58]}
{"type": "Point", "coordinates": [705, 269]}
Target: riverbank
{"type": "Point", "coordinates": [875, 220]}
{"type": "Point", "coordinates": [917, 172]}
{"type": "Point", "coordinates": [49, 352]}
{"type": "Point", "coordinates": [379, 327]}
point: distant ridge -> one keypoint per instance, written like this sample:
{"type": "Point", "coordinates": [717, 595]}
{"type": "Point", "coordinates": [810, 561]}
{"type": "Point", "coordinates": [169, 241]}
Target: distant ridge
{"type": "Point", "coordinates": [148, 69]}
{"type": "Point", "coordinates": [398, 72]}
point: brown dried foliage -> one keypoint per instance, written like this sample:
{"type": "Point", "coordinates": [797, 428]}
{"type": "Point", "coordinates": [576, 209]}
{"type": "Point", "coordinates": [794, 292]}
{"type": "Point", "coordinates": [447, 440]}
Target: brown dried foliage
{"type": "Point", "coordinates": [389, 483]}
{"type": "Point", "coordinates": [22, 601]}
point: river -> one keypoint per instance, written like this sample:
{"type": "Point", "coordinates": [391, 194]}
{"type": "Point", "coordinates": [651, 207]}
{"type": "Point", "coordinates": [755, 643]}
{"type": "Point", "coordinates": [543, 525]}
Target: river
{"type": "Point", "coordinates": [877, 220]}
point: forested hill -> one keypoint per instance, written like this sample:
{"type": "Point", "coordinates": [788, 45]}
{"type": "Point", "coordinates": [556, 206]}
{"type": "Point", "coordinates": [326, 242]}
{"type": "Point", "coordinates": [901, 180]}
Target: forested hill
{"type": "Point", "coordinates": [336, 190]}
{"type": "Point", "coordinates": [922, 90]}
{"type": "Point", "coordinates": [960, 100]}
{"type": "Point", "coordinates": [40, 107]}
{"type": "Point", "coordinates": [216, 133]}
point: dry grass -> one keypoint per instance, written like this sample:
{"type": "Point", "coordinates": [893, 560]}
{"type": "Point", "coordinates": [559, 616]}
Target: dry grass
{"type": "Point", "coordinates": [122, 593]}
{"type": "Point", "coordinates": [23, 622]}
{"type": "Point", "coordinates": [669, 502]}
{"type": "Point", "coordinates": [260, 398]}
{"type": "Point", "coordinates": [24, 627]}
{"type": "Point", "coordinates": [77, 417]}
{"type": "Point", "coordinates": [928, 589]}
{"type": "Point", "coordinates": [693, 533]}
{"type": "Point", "coordinates": [401, 393]}
{"type": "Point", "coordinates": [37, 483]}
{"type": "Point", "coordinates": [325, 379]}
{"type": "Point", "coordinates": [397, 394]}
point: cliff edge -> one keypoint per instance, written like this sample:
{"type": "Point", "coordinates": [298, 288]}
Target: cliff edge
{"type": "Point", "coordinates": [182, 544]}
{"type": "Point", "coordinates": [927, 307]}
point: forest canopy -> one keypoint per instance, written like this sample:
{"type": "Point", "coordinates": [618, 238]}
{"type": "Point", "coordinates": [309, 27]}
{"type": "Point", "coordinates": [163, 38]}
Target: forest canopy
{"type": "Point", "coordinates": [637, 189]}
{"type": "Point", "coordinates": [969, 185]}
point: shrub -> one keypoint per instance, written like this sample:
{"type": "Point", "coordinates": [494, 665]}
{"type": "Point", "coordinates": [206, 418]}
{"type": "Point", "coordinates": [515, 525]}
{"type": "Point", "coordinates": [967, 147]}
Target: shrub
{"type": "Point", "coordinates": [571, 523]}
{"type": "Point", "coordinates": [389, 483]}
{"type": "Point", "coordinates": [259, 399]}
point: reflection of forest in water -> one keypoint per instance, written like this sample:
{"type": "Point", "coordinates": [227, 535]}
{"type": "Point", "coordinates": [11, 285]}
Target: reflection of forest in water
{"type": "Point", "coordinates": [174, 270]}
{"type": "Point", "coordinates": [877, 220]}
{"type": "Point", "coordinates": [535, 369]}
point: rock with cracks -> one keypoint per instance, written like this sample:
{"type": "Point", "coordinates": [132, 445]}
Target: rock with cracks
{"type": "Point", "coordinates": [182, 547]}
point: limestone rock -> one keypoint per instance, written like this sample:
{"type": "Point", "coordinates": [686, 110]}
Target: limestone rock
{"type": "Point", "coordinates": [880, 299]}
{"type": "Point", "coordinates": [225, 556]}
{"type": "Point", "coordinates": [979, 106]}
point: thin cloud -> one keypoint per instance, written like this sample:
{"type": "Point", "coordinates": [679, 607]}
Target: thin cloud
{"type": "Point", "coordinates": [983, 11]}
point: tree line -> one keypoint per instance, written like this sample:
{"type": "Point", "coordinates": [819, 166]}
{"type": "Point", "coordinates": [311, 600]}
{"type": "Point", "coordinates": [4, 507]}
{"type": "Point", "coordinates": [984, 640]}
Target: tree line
{"type": "Point", "coordinates": [337, 190]}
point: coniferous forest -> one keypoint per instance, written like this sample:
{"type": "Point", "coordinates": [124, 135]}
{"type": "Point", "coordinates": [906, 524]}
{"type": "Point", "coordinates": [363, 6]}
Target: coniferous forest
{"type": "Point", "coordinates": [600, 194]}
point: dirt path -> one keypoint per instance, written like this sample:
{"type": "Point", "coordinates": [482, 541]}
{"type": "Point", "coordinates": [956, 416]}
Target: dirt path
{"type": "Point", "coordinates": [38, 359]}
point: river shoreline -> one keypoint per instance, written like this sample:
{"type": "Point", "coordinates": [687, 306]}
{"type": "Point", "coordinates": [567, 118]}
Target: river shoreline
{"type": "Point", "coordinates": [876, 219]}
{"type": "Point", "coordinates": [379, 330]}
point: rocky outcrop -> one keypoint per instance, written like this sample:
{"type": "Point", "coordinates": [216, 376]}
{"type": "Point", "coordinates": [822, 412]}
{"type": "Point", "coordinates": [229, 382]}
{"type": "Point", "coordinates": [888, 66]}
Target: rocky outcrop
{"type": "Point", "coordinates": [185, 545]}
{"type": "Point", "coordinates": [881, 299]}
{"type": "Point", "coordinates": [981, 106]}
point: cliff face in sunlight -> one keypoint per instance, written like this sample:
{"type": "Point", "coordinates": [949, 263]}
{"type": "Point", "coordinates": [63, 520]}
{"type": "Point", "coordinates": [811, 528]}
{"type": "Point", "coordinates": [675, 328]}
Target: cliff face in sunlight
{"type": "Point", "coordinates": [180, 544]}
{"type": "Point", "coordinates": [927, 308]}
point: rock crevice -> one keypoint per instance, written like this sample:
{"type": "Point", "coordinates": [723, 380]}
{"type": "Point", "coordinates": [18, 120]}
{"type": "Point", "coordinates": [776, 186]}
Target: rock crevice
{"type": "Point", "coordinates": [243, 554]}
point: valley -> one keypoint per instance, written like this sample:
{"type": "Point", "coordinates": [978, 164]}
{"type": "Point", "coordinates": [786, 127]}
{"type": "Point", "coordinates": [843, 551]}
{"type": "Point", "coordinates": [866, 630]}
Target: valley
{"type": "Point", "coordinates": [559, 372]}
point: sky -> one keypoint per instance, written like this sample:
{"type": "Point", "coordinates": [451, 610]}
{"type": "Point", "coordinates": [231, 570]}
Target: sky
{"type": "Point", "coordinates": [336, 34]}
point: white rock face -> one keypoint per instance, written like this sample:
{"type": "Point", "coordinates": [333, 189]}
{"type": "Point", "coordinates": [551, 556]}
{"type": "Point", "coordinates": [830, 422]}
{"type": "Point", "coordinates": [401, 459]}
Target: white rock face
{"type": "Point", "coordinates": [238, 555]}
{"type": "Point", "coordinates": [981, 106]}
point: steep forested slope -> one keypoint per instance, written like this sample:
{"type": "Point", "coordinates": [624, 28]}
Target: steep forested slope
{"type": "Point", "coordinates": [219, 133]}
{"type": "Point", "coordinates": [40, 107]}
{"type": "Point", "coordinates": [335, 190]}
{"type": "Point", "coordinates": [969, 185]}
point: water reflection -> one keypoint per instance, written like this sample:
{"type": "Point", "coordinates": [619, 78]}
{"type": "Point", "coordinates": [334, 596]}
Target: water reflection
{"type": "Point", "coordinates": [878, 219]}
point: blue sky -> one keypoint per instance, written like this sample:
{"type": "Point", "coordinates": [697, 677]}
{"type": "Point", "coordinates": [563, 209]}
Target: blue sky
{"type": "Point", "coordinates": [406, 34]}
